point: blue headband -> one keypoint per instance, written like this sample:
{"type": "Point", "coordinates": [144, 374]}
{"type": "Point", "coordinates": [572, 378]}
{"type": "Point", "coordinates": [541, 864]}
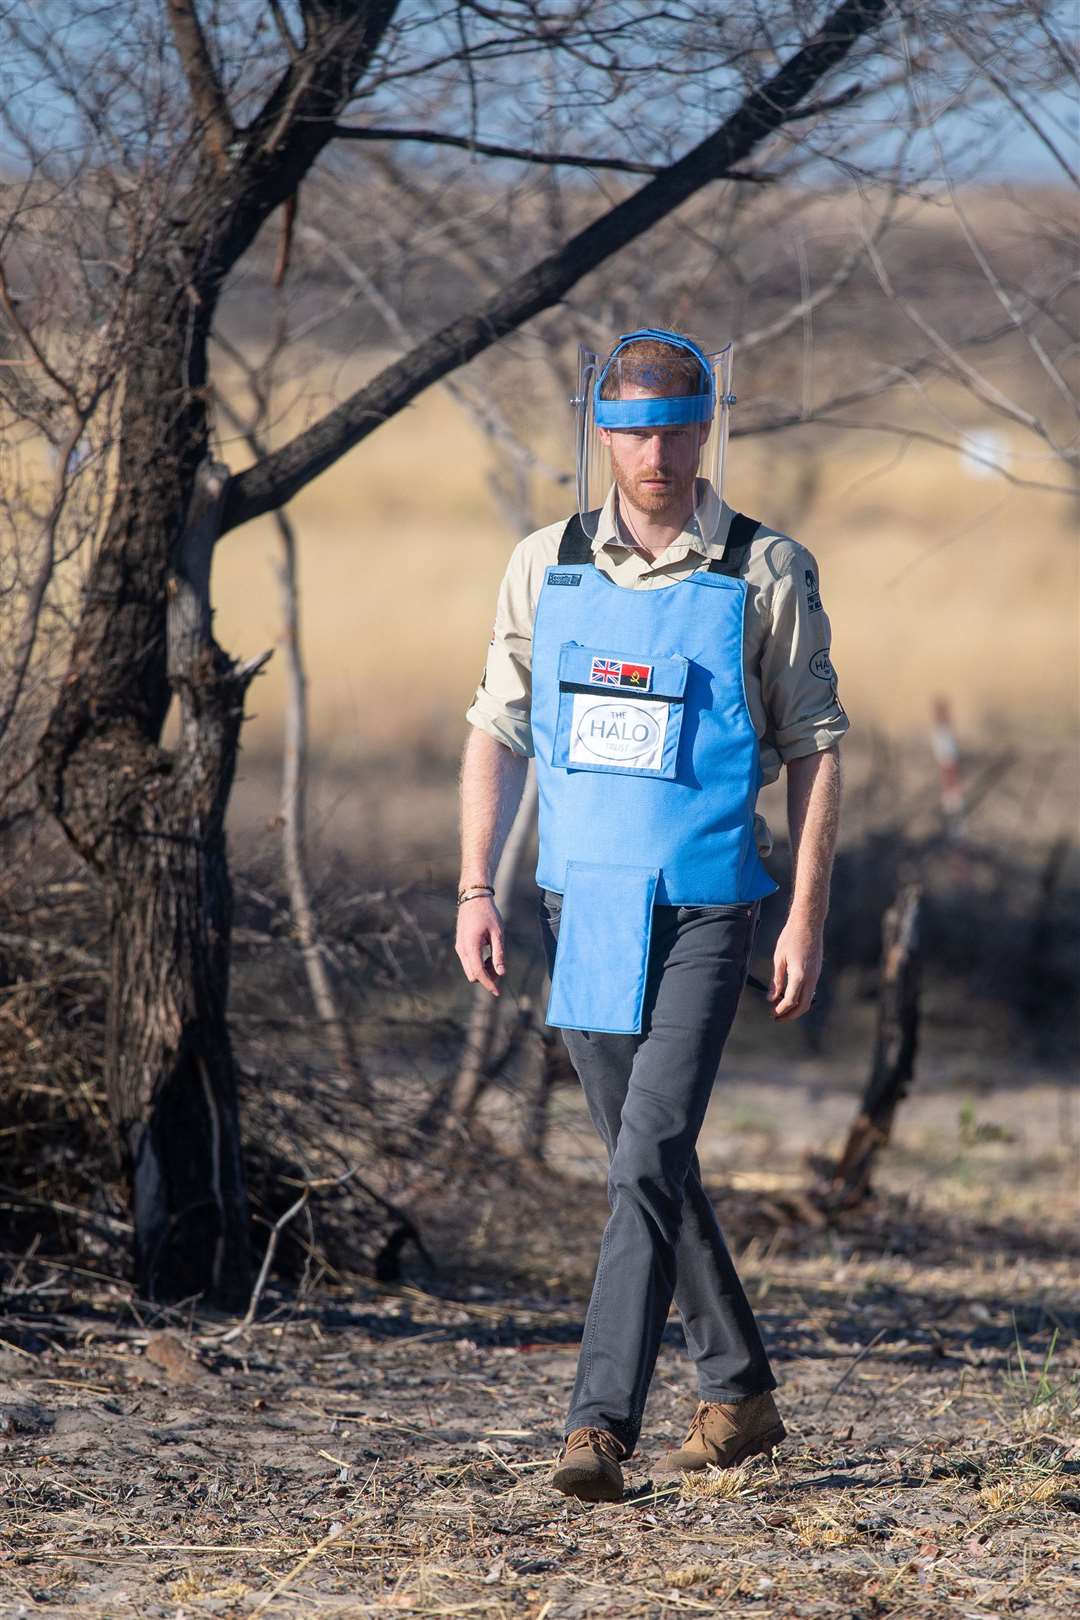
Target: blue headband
{"type": "Point", "coordinates": [665, 411]}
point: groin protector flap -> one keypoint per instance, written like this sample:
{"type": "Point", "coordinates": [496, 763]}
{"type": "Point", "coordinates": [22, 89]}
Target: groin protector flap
{"type": "Point", "coordinates": [603, 951]}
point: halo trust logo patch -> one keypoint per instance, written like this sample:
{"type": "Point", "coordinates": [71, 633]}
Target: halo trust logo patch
{"type": "Point", "coordinates": [618, 733]}
{"type": "Point", "coordinates": [821, 667]}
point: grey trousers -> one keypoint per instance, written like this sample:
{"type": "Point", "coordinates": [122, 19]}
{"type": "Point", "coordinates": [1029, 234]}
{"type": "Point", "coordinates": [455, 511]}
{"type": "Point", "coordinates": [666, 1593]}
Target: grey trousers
{"type": "Point", "coordinates": [647, 1095]}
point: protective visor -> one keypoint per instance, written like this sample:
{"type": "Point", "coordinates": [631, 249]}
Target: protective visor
{"type": "Point", "coordinates": [653, 419]}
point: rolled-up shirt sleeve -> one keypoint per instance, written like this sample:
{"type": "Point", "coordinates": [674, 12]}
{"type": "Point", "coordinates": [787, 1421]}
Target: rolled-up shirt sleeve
{"type": "Point", "coordinates": [503, 699]}
{"type": "Point", "coordinates": [798, 680]}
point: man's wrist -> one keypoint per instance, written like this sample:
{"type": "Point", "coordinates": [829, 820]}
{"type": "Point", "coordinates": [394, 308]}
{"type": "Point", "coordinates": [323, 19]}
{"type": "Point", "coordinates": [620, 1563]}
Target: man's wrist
{"type": "Point", "coordinates": [481, 891]}
{"type": "Point", "coordinates": [807, 915]}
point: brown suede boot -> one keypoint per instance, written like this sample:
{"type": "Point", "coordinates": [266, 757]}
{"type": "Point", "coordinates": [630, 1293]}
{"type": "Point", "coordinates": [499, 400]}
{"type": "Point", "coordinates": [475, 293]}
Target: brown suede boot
{"type": "Point", "coordinates": [588, 1466]}
{"type": "Point", "coordinates": [723, 1434]}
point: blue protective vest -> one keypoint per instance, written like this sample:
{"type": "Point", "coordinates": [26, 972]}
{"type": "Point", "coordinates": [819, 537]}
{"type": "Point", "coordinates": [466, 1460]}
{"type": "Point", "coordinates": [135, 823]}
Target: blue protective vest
{"type": "Point", "coordinates": [648, 772]}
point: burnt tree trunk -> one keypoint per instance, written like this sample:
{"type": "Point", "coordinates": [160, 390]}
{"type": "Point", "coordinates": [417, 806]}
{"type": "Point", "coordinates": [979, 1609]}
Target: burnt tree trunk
{"type": "Point", "coordinates": [152, 824]}
{"type": "Point", "coordinates": [546, 1063]}
{"type": "Point", "coordinates": [151, 821]}
{"type": "Point", "coordinates": [894, 1048]}
{"type": "Point", "coordinates": [172, 1081]}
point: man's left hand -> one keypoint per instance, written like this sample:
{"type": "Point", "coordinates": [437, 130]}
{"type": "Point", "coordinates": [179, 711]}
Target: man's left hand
{"type": "Point", "coordinates": [796, 969]}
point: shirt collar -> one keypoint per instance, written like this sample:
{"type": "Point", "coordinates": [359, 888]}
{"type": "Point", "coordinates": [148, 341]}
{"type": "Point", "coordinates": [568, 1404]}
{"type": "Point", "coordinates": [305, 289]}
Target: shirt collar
{"type": "Point", "coordinates": [716, 516]}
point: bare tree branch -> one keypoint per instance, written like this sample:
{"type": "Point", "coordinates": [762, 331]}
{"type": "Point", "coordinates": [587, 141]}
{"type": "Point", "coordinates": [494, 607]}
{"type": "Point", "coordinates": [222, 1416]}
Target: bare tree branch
{"type": "Point", "coordinates": [294, 774]}
{"type": "Point", "coordinates": [207, 96]}
{"type": "Point", "coordinates": [1019, 318]}
{"type": "Point", "coordinates": [434, 137]}
{"type": "Point", "coordinates": [814, 109]}
{"type": "Point", "coordinates": [1022, 110]}
{"type": "Point", "coordinates": [281, 23]}
{"type": "Point", "coordinates": [41, 359]}
{"type": "Point", "coordinates": [295, 123]}
{"type": "Point", "coordinates": [985, 390]}
{"type": "Point", "coordinates": [481, 411]}
{"type": "Point", "coordinates": [281, 475]}
{"type": "Point", "coordinates": [865, 425]}
{"type": "Point", "coordinates": [35, 601]}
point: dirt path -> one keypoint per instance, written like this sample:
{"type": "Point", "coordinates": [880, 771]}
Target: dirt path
{"type": "Point", "coordinates": [386, 1453]}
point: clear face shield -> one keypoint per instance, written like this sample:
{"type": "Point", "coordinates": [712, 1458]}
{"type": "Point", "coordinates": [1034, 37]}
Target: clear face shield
{"type": "Point", "coordinates": [652, 427]}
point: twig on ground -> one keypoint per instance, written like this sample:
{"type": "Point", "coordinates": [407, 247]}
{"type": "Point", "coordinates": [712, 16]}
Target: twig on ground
{"type": "Point", "coordinates": [850, 1368]}
{"type": "Point", "coordinates": [271, 1249]}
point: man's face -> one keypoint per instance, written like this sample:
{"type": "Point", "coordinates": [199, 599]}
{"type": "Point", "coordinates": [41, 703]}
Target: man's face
{"type": "Point", "coordinates": [654, 468]}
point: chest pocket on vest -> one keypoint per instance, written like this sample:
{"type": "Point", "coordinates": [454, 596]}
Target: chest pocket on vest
{"type": "Point", "coordinates": [619, 713]}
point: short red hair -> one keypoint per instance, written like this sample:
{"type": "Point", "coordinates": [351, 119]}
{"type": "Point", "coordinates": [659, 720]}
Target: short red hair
{"type": "Point", "coordinates": [662, 368]}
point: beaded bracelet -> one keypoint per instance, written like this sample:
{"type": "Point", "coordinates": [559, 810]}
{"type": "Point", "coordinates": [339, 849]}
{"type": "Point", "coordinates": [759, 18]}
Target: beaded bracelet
{"type": "Point", "coordinates": [475, 893]}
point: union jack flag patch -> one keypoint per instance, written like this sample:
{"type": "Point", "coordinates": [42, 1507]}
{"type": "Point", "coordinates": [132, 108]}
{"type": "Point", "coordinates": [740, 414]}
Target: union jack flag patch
{"type": "Point", "coordinates": [617, 672]}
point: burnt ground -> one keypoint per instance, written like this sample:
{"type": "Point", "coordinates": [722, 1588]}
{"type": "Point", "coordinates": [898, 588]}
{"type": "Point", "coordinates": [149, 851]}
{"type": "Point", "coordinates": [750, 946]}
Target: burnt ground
{"type": "Point", "coordinates": [366, 1452]}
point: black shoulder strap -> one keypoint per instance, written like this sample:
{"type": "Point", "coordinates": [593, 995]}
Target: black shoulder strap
{"type": "Point", "coordinates": [740, 534]}
{"type": "Point", "coordinates": [575, 545]}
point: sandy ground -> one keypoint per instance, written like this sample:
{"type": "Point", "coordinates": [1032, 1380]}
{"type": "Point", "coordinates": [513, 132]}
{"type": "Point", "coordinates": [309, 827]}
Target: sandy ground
{"type": "Point", "coordinates": [374, 1452]}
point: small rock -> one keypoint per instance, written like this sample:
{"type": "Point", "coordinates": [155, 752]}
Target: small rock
{"type": "Point", "coordinates": [79, 1428]}
{"type": "Point", "coordinates": [877, 1524]}
{"type": "Point", "coordinates": [166, 1351]}
{"type": "Point", "coordinates": [23, 1417]}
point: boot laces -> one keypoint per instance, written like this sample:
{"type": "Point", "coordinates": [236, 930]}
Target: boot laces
{"type": "Point", "coordinates": [697, 1422]}
{"type": "Point", "coordinates": [599, 1439]}
{"type": "Point", "coordinates": [701, 1417]}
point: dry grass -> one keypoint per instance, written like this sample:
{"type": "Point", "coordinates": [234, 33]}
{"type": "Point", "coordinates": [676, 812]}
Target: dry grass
{"type": "Point", "coordinates": [715, 1484]}
{"type": "Point", "coordinates": [936, 579]}
{"type": "Point", "coordinates": [385, 1453]}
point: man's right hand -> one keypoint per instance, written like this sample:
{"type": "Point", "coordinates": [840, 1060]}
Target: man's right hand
{"type": "Point", "coordinates": [480, 942]}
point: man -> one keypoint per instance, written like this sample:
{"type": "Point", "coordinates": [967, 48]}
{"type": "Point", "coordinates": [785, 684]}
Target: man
{"type": "Point", "coordinates": [661, 656]}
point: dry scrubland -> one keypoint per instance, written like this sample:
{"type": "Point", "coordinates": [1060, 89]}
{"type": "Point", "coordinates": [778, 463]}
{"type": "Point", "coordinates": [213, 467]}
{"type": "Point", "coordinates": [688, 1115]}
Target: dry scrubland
{"type": "Point", "coordinates": [383, 1452]}
{"type": "Point", "coordinates": [936, 579]}
{"type": "Point", "coordinates": [365, 1451]}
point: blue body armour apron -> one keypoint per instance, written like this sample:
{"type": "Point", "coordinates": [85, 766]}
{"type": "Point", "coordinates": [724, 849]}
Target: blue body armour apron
{"type": "Point", "coordinates": [647, 766]}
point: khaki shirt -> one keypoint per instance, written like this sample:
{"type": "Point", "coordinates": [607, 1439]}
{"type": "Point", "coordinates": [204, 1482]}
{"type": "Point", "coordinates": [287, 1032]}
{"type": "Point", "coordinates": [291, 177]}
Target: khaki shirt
{"type": "Point", "coordinates": [789, 679]}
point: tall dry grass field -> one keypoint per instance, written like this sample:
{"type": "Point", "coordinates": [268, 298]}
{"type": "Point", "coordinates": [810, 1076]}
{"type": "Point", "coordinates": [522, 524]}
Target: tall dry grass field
{"type": "Point", "coordinates": [938, 578]}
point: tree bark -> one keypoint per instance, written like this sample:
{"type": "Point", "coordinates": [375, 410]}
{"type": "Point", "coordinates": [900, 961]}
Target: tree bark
{"type": "Point", "coordinates": [541, 1077]}
{"type": "Point", "coordinates": [153, 826]}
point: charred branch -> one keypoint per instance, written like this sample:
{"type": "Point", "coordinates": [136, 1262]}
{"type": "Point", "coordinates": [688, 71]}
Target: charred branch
{"type": "Point", "coordinates": [894, 1049]}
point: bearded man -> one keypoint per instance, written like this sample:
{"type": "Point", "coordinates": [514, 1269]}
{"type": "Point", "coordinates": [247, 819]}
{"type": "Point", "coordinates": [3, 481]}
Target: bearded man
{"type": "Point", "coordinates": [661, 656]}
